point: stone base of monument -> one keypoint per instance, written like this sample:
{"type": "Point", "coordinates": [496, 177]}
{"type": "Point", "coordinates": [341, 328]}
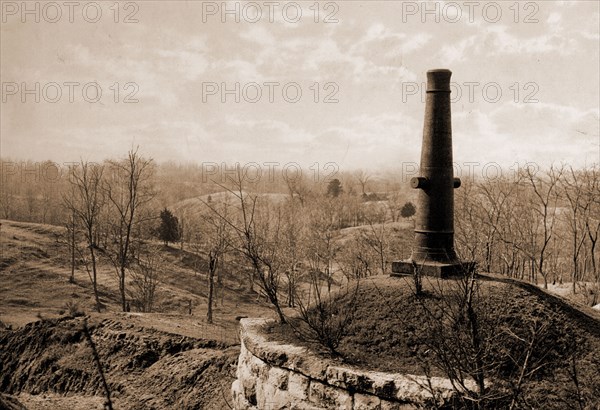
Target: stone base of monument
{"type": "Point", "coordinates": [436, 269]}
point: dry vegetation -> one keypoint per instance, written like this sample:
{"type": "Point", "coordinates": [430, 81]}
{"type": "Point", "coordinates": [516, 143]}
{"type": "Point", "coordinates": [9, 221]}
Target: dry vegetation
{"type": "Point", "coordinates": [144, 368]}
{"type": "Point", "coordinates": [84, 242]}
{"type": "Point", "coordinates": [35, 281]}
{"type": "Point", "coordinates": [534, 349]}
{"type": "Point", "coordinates": [48, 363]}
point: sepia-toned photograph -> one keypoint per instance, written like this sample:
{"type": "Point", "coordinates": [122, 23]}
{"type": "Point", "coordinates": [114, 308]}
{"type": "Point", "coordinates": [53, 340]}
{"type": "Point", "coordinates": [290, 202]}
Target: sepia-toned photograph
{"type": "Point", "coordinates": [299, 205]}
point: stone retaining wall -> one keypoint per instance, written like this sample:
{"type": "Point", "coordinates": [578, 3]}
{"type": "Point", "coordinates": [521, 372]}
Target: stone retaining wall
{"type": "Point", "coordinates": [273, 376]}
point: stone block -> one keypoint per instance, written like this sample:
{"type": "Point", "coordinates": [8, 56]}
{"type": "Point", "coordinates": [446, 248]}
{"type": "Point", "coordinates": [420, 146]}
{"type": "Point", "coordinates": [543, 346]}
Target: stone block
{"type": "Point", "coordinates": [366, 402]}
{"type": "Point", "coordinates": [239, 399]}
{"type": "Point", "coordinates": [329, 397]}
{"type": "Point", "coordinates": [389, 405]}
{"type": "Point", "coordinates": [304, 405]}
{"type": "Point", "coordinates": [298, 386]}
{"type": "Point", "coordinates": [350, 379]}
{"type": "Point", "coordinates": [272, 391]}
{"type": "Point", "coordinates": [279, 354]}
{"type": "Point", "coordinates": [279, 378]}
{"type": "Point", "coordinates": [436, 269]}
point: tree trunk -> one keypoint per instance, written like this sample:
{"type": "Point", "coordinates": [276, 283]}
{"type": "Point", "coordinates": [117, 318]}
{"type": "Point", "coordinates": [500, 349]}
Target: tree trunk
{"type": "Point", "coordinates": [211, 286]}
{"type": "Point", "coordinates": [95, 278]}
{"type": "Point", "coordinates": [122, 288]}
{"type": "Point", "coordinates": [542, 272]}
{"type": "Point", "coordinates": [594, 268]}
{"type": "Point", "coordinates": [545, 281]}
{"type": "Point", "coordinates": [72, 278]}
{"type": "Point", "coordinates": [220, 292]}
{"type": "Point", "coordinates": [291, 301]}
{"type": "Point", "coordinates": [181, 234]}
{"type": "Point", "coordinates": [212, 266]}
{"type": "Point", "coordinates": [280, 314]}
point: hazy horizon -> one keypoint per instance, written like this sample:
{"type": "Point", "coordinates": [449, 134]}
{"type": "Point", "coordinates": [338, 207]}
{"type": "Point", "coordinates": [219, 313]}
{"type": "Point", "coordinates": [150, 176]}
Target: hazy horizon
{"type": "Point", "coordinates": [526, 84]}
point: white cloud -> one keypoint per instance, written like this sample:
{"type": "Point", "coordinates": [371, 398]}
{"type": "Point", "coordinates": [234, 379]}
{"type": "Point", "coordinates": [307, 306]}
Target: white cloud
{"type": "Point", "coordinates": [189, 64]}
{"type": "Point", "coordinates": [369, 54]}
{"type": "Point", "coordinates": [267, 130]}
{"type": "Point", "coordinates": [554, 18]}
{"type": "Point", "coordinates": [258, 34]}
{"type": "Point", "coordinates": [457, 52]}
{"type": "Point", "coordinates": [589, 35]}
{"type": "Point", "coordinates": [503, 42]}
{"type": "Point", "coordinates": [498, 41]}
{"type": "Point", "coordinates": [379, 52]}
{"type": "Point", "coordinates": [540, 133]}
{"type": "Point", "coordinates": [380, 39]}
{"type": "Point", "coordinates": [372, 141]}
{"type": "Point", "coordinates": [567, 3]}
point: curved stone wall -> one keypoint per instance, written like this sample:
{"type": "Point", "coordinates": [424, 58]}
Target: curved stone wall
{"type": "Point", "coordinates": [273, 376]}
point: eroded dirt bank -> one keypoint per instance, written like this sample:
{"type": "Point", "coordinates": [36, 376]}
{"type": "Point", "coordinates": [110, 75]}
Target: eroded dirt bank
{"type": "Point", "coordinates": [144, 368]}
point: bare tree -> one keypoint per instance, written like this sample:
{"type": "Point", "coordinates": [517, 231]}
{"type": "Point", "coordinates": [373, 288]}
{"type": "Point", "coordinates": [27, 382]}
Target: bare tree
{"type": "Point", "coordinates": [322, 235]}
{"type": "Point", "coordinates": [592, 217]}
{"type": "Point", "coordinates": [85, 203]}
{"type": "Point", "coordinates": [355, 259]}
{"type": "Point", "coordinates": [470, 335]}
{"type": "Point", "coordinates": [47, 192]}
{"type": "Point", "coordinates": [545, 196]}
{"type": "Point", "coordinates": [293, 245]}
{"type": "Point", "coordinates": [257, 232]}
{"type": "Point", "coordinates": [213, 241]}
{"type": "Point", "coordinates": [325, 319]}
{"type": "Point", "coordinates": [30, 198]}
{"type": "Point", "coordinates": [128, 191]}
{"type": "Point", "coordinates": [468, 221]}
{"type": "Point", "coordinates": [298, 189]}
{"type": "Point", "coordinates": [377, 237]}
{"type": "Point", "coordinates": [8, 188]}
{"type": "Point", "coordinates": [363, 178]}
{"type": "Point", "coordinates": [72, 242]}
{"type": "Point", "coordinates": [496, 196]}
{"type": "Point", "coordinates": [394, 204]}
{"type": "Point", "coordinates": [108, 405]}
{"type": "Point", "coordinates": [145, 278]}
{"type": "Point", "coordinates": [573, 190]}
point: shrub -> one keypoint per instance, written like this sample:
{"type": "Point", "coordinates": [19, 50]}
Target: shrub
{"type": "Point", "coordinates": [325, 319]}
{"type": "Point", "coordinates": [72, 309]}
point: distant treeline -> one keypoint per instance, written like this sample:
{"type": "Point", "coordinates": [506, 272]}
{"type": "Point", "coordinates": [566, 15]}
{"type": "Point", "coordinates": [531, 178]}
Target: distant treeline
{"type": "Point", "coordinates": [540, 225]}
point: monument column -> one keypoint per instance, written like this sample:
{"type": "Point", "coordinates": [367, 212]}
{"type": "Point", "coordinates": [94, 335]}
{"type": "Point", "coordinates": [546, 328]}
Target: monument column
{"type": "Point", "coordinates": [433, 247]}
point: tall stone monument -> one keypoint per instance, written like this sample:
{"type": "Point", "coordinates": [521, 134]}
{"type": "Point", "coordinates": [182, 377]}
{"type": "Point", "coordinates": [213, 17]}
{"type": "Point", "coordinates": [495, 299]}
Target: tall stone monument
{"type": "Point", "coordinates": [433, 248]}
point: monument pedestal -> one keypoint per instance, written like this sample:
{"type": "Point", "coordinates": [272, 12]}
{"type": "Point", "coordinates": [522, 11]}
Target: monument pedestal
{"type": "Point", "coordinates": [437, 269]}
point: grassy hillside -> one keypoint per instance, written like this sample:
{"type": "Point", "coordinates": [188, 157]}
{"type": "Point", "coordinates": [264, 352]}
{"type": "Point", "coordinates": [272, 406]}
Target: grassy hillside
{"type": "Point", "coordinates": [521, 333]}
{"type": "Point", "coordinates": [35, 268]}
{"type": "Point", "coordinates": [166, 359]}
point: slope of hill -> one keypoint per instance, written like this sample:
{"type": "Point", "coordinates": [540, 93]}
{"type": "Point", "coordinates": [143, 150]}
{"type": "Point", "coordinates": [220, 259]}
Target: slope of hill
{"type": "Point", "coordinates": [522, 341]}
{"type": "Point", "coordinates": [144, 368]}
{"type": "Point", "coordinates": [167, 359]}
{"type": "Point", "coordinates": [170, 358]}
{"type": "Point", "coordinates": [197, 204]}
{"type": "Point", "coordinates": [34, 273]}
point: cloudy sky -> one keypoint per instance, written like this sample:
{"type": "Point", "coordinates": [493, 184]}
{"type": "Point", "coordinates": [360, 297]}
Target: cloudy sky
{"type": "Point", "coordinates": [289, 81]}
